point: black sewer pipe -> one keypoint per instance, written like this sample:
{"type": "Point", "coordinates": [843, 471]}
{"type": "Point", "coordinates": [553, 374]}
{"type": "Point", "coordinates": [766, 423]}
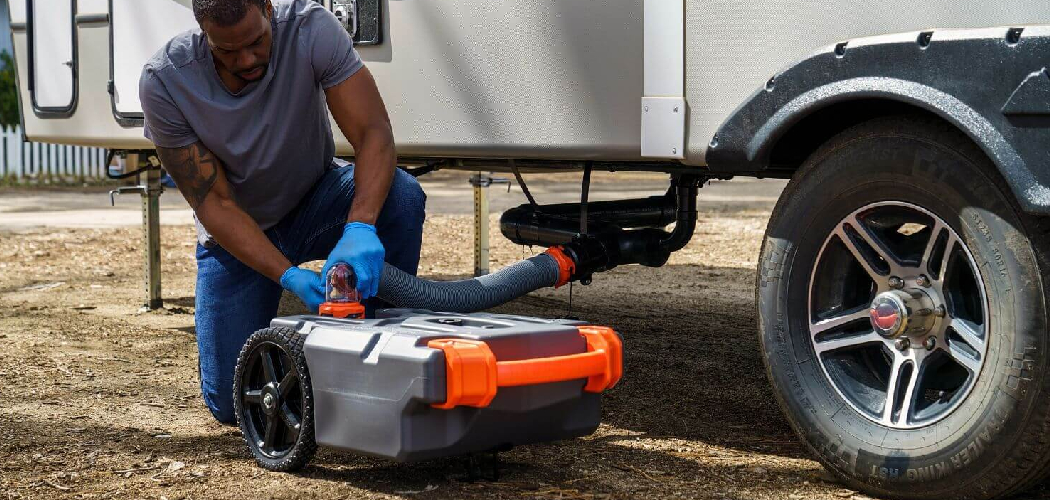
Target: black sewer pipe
{"type": "Point", "coordinates": [653, 211]}
{"type": "Point", "coordinates": [607, 244]}
{"type": "Point", "coordinates": [685, 219]}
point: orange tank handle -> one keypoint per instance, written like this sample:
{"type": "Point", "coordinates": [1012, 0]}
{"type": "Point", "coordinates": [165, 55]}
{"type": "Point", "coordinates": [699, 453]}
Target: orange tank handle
{"type": "Point", "coordinates": [473, 375]}
{"type": "Point", "coordinates": [352, 310]}
{"type": "Point", "coordinates": [470, 373]}
{"type": "Point", "coordinates": [566, 266]}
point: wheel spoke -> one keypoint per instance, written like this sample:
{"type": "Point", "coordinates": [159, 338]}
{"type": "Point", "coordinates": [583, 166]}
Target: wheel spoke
{"type": "Point", "coordinates": [910, 370]}
{"type": "Point", "coordinates": [268, 369]}
{"type": "Point", "coordinates": [290, 419]}
{"type": "Point", "coordinates": [931, 245]}
{"type": "Point", "coordinates": [269, 435]}
{"type": "Point", "coordinates": [287, 383]}
{"type": "Point", "coordinates": [964, 358]}
{"type": "Point", "coordinates": [860, 230]}
{"type": "Point", "coordinates": [967, 331]}
{"type": "Point", "coordinates": [837, 322]}
{"type": "Point", "coordinates": [942, 273]}
{"type": "Point", "coordinates": [869, 337]}
{"type": "Point", "coordinates": [253, 397]}
{"type": "Point", "coordinates": [915, 376]}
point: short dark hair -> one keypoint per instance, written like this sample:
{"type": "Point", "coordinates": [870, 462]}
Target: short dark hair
{"type": "Point", "coordinates": [224, 12]}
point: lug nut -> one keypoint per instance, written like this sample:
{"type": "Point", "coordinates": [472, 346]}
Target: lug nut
{"type": "Point", "coordinates": [902, 344]}
{"type": "Point", "coordinates": [940, 312]}
{"type": "Point", "coordinates": [896, 282]}
{"type": "Point", "coordinates": [923, 281]}
{"type": "Point", "coordinates": [929, 343]}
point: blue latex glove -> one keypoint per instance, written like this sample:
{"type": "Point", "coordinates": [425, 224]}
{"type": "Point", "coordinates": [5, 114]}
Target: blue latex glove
{"type": "Point", "coordinates": [361, 249]}
{"type": "Point", "coordinates": [307, 285]}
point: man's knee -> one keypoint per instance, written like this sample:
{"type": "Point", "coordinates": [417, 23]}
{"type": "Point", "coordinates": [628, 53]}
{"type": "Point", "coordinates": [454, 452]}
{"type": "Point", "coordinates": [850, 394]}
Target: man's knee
{"type": "Point", "coordinates": [220, 401]}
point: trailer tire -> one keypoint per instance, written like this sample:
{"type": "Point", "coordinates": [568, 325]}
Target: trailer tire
{"type": "Point", "coordinates": [278, 395]}
{"type": "Point", "coordinates": [954, 422]}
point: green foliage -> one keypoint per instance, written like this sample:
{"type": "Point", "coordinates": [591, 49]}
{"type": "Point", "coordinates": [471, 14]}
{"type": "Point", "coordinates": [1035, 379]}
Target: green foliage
{"type": "Point", "coordinates": [9, 116]}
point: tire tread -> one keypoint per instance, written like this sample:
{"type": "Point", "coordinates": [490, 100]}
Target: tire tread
{"type": "Point", "coordinates": [306, 446]}
{"type": "Point", "coordinates": [1029, 462]}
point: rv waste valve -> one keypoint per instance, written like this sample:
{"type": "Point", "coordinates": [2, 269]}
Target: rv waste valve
{"type": "Point", "coordinates": [341, 298]}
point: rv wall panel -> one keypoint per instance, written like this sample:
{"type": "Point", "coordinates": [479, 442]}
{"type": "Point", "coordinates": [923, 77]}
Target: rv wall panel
{"type": "Point", "coordinates": [554, 79]}
{"type": "Point", "coordinates": [53, 55]}
{"type": "Point", "coordinates": [541, 79]}
{"type": "Point", "coordinates": [733, 47]}
{"type": "Point", "coordinates": [140, 28]}
{"type": "Point", "coordinates": [92, 6]}
{"type": "Point", "coordinates": [17, 10]}
{"type": "Point", "coordinates": [538, 79]}
{"type": "Point", "coordinates": [92, 123]}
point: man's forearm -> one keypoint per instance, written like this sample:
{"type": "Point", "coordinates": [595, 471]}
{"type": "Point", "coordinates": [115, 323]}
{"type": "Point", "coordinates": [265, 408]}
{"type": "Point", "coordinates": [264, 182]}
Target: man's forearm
{"type": "Point", "coordinates": [373, 173]}
{"type": "Point", "coordinates": [201, 179]}
{"type": "Point", "coordinates": [359, 111]}
{"type": "Point", "coordinates": [240, 235]}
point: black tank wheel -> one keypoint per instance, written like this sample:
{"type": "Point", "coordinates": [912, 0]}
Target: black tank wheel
{"type": "Point", "coordinates": [273, 399]}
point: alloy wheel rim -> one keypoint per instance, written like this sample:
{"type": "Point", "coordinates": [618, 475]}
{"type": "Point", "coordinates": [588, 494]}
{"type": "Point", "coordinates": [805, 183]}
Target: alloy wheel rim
{"type": "Point", "coordinates": [898, 315]}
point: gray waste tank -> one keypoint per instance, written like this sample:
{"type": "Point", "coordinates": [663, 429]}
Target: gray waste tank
{"type": "Point", "coordinates": [374, 382]}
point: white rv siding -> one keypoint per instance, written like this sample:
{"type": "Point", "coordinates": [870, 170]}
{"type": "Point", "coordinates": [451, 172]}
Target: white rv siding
{"type": "Point", "coordinates": [733, 46]}
{"type": "Point", "coordinates": [554, 79]}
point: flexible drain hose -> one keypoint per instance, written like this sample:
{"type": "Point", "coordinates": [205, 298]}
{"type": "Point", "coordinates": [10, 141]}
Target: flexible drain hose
{"type": "Point", "coordinates": [404, 290]}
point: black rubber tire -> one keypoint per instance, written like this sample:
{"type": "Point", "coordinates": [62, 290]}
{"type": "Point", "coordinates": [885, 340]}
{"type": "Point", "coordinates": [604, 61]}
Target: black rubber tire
{"type": "Point", "coordinates": [995, 443]}
{"type": "Point", "coordinates": [291, 342]}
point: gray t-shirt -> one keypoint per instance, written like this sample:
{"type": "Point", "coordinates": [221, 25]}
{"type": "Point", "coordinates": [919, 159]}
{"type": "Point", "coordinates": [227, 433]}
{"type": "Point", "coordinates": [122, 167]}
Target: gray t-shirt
{"type": "Point", "coordinates": [273, 137]}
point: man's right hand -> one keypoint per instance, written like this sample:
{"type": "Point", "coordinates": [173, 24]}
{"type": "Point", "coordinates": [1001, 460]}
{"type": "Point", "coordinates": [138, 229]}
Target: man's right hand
{"type": "Point", "coordinates": [307, 285]}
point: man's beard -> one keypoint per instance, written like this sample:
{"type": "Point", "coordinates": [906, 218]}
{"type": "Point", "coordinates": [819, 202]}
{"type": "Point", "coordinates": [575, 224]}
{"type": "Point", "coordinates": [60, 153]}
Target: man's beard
{"type": "Point", "coordinates": [241, 74]}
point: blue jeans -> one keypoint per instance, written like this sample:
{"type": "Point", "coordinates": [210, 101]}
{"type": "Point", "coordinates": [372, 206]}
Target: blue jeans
{"type": "Point", "coordinates": [233, 301]}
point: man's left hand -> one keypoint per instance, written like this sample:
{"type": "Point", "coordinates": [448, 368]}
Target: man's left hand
{"type": "Point", "coordinates": [361, 249]}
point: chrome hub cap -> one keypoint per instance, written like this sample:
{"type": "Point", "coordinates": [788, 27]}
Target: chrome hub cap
{"type": "Point", "coordinates": [888, 315]}
{"type": "Point", "coordinates": [898, 315]}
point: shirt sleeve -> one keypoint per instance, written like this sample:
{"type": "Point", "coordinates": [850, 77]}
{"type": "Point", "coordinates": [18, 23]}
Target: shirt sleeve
{"type": "Point", "coordinates": [164, 123]}
{"type": "Point", "coordinates": [332, 53]}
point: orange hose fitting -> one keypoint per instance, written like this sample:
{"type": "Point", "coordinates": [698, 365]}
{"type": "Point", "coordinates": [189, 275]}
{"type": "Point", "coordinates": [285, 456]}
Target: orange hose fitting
{"type": "Point", "coordinates": [352, 310]}
{"type": "Point", "coordinates": [566, 267]}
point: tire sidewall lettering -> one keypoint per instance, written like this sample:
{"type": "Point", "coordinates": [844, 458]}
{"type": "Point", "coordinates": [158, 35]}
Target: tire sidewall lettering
{"type": "Point", "coordinates": [984, 424]}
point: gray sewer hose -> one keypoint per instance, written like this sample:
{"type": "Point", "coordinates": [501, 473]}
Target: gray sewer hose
{"type": "Point", "coordinates": [404, 290]}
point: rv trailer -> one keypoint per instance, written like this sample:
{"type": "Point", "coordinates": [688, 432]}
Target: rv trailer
{"type": "Point", "coordinates": [901, 288]}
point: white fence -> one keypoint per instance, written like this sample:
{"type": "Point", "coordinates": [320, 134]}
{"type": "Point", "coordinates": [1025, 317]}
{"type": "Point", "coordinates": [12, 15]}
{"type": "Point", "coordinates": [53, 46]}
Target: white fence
{"type": "Point", "coordinates": [29, 161]}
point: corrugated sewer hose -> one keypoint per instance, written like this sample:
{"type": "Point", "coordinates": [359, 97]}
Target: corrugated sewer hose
{"type": "Point", "coordinates": [550, 269]}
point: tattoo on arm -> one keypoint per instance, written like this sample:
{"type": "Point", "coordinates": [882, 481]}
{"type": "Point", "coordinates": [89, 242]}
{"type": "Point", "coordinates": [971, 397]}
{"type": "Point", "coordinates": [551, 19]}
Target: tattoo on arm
{"type": "Point", "coordinates": [194, 169]}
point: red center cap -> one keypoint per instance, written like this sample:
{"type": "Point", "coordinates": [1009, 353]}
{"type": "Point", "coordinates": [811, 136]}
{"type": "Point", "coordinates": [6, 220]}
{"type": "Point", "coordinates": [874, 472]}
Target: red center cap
{"type": "Point", "coordinates": [884, 316]}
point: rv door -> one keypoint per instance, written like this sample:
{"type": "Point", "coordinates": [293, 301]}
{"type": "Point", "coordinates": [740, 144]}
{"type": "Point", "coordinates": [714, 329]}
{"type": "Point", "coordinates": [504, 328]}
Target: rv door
{"type": "Point", "coordinates": [52, 57]}
{"type": "Point", "coordinates": [138, 28]}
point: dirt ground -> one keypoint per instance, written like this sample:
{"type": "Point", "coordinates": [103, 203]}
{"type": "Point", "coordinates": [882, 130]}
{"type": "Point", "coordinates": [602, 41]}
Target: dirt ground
{"type": "Point", "coordinates": [101, 400]}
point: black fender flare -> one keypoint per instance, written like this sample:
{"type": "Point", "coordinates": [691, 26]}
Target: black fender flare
{"type": "Point", "coordinates": [992, 84]}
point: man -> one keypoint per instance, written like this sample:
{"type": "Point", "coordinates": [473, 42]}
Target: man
{"type": "Point", "coordinates": [237, 110]}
